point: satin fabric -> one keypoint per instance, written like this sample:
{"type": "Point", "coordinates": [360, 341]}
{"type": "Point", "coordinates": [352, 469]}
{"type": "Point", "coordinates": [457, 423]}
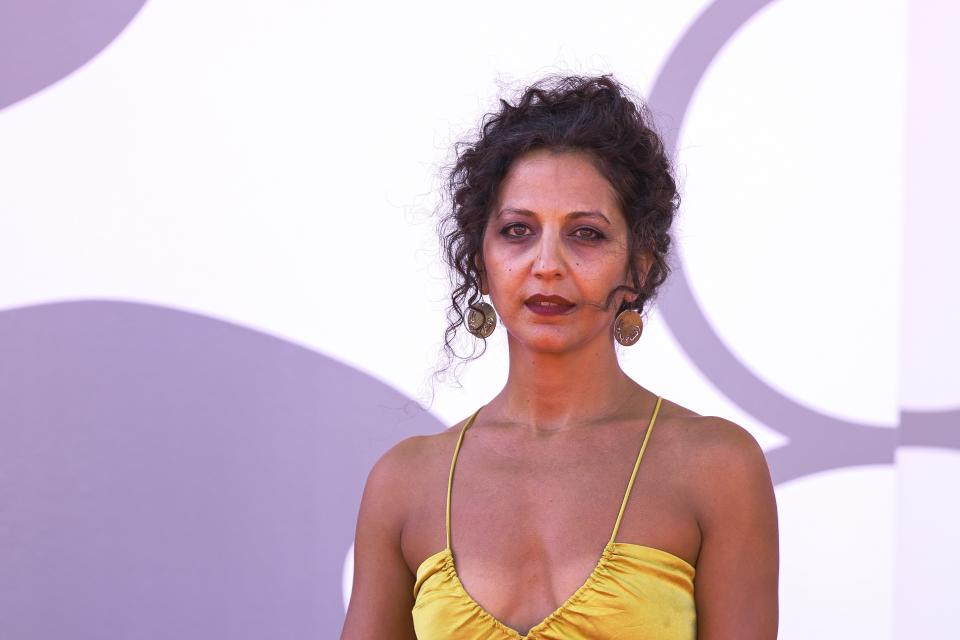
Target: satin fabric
{"type": "Point", "coordinates": [635, 591]}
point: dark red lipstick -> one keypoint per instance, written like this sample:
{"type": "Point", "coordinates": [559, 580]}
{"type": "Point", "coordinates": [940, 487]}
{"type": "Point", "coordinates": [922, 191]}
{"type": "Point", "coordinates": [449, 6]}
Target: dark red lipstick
{"type": "Point", "coordinates": [548, 305]}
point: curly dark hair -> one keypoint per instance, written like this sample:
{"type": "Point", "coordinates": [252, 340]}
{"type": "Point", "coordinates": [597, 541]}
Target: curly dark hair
{"type": "Point", "coordinates": [594, 115]}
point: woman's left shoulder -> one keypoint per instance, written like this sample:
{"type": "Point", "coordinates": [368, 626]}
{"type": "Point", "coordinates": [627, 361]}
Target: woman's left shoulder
{"type": "Point", "coordinates": [709, 438]}
{"type": "Point", "coordinates": [719, 457]}
{"type": "Point", "coordinates": [728, 484]}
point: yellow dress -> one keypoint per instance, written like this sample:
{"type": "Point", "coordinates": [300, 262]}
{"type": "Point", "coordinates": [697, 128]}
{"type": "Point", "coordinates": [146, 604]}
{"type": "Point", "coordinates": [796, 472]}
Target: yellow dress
{"type": "Point", "coordinates": [635, 592]}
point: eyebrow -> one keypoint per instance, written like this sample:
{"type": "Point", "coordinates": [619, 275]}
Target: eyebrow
{"type": "Point", "coordinates": [573, 215]}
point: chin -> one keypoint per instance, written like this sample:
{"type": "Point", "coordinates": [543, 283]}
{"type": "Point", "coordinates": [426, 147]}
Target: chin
{"type": "Point", "coordinates": [546, 342]}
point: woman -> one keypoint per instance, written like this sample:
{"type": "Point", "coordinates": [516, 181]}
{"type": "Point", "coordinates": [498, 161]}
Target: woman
{"type": "Point", "coordinates": [534, 517]}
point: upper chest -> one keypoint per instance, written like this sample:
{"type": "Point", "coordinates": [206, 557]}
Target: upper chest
{"type": "Point", "coordinates": [542, 502]}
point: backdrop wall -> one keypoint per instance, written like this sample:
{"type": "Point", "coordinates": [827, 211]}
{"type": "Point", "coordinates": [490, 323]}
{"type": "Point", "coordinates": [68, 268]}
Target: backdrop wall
{"type": "Point", "coordinates": [222, 295]}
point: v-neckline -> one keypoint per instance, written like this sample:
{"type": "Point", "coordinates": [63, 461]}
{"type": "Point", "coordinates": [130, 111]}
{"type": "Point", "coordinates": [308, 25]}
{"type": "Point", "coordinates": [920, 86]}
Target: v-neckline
{"type": "Point", "coordinates": [605, 556]}
{"type": "Point", "coordinates": [594, 574]}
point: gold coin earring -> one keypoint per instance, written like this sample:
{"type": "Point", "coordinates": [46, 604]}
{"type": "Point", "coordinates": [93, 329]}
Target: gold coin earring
{"type": "Point", "coordinates": [481, 319]}
{"type": "Point", "coordinates": [627, 327]}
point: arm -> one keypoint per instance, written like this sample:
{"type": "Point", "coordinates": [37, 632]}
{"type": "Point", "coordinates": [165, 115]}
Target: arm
{"type": "Point", "coordinates": [736, 584]}
{"type": "Point", "coordinates": [382, 596]}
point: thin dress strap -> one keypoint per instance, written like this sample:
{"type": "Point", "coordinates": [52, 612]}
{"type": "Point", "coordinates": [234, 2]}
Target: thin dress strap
{"type": "Point", "coordinates": [453, 464]}
{"type": "Point", "coordinates": [633, 476]}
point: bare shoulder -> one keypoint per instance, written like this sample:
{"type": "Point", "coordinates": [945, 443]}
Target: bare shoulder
{"type": "Point", "coordinates": [732, 494]}
{"type": "Point", "coordinates": [381, 596]}
{"type": "Point", "coordinates": [404, 481]}
{"type": "Point", "coordinates": [709, 439]}
{"type": "Point", "coordinates": [718, 443]}
{"type": "Point", "coordinates": [408, 466]}
{"type": "Point", "coordinates": [720, 457]}
{"type": "Point", "coordinates": [716, 440]}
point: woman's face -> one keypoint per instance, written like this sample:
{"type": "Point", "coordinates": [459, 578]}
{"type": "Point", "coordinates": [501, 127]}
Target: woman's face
{"type": "Point", "coordinates": [555, 229]}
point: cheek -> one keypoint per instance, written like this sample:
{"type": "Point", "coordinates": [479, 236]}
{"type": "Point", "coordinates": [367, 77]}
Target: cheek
{"type": "Point", "coordinates": [501, 265]}
{"type": "Point", "coordinates": [601, 279]}
{"type": "Point", "coordinates": [598, 264]}
{"type": "Point", "coordinates": [501, 256]}
{"type": "Point", "coordinates": [503, 273]}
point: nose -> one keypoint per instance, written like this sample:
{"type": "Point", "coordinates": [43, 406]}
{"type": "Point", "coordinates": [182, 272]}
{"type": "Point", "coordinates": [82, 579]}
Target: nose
{"type": "Point", "coordinates": [550, 262]}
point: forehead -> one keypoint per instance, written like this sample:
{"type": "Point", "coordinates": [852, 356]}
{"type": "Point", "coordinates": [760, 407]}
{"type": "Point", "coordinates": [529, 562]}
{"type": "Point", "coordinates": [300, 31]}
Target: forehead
{"type": "Point", "coordinates": [556, 182]}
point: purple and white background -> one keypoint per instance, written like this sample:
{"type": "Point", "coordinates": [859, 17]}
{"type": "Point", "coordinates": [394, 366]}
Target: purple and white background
{"type": "Point", "coordinates": [221, 295]}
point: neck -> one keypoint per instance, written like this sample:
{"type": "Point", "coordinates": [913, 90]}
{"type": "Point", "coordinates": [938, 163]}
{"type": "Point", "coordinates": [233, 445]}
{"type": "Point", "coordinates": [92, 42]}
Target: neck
{"type": "Point", "coordinates": [556, 391]}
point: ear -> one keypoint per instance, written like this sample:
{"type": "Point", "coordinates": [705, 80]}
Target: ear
{"type": "Point", "coordinates": [642, 263]}
{"type": "Point", "coordinates": [484, 285]}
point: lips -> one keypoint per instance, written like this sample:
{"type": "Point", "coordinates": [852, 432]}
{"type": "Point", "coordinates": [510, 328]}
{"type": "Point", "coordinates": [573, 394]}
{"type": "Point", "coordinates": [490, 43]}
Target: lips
{"type": "Point", "coordinates": [548, 305]}
{"type": "Point", "coordinates": [542, 299]}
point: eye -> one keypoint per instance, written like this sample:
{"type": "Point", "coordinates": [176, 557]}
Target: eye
{"type": "Point", "coordinates": [506, 231]}
{"type": "Point", "coordinates": [586, 233]}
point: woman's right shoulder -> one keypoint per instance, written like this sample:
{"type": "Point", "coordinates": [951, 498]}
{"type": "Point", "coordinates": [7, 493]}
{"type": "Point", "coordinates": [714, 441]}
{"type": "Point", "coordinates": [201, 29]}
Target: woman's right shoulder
{"type": "Point", "coordinates": [397, 485]}
{"type": "Point", "coordinates": [415, 461]}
